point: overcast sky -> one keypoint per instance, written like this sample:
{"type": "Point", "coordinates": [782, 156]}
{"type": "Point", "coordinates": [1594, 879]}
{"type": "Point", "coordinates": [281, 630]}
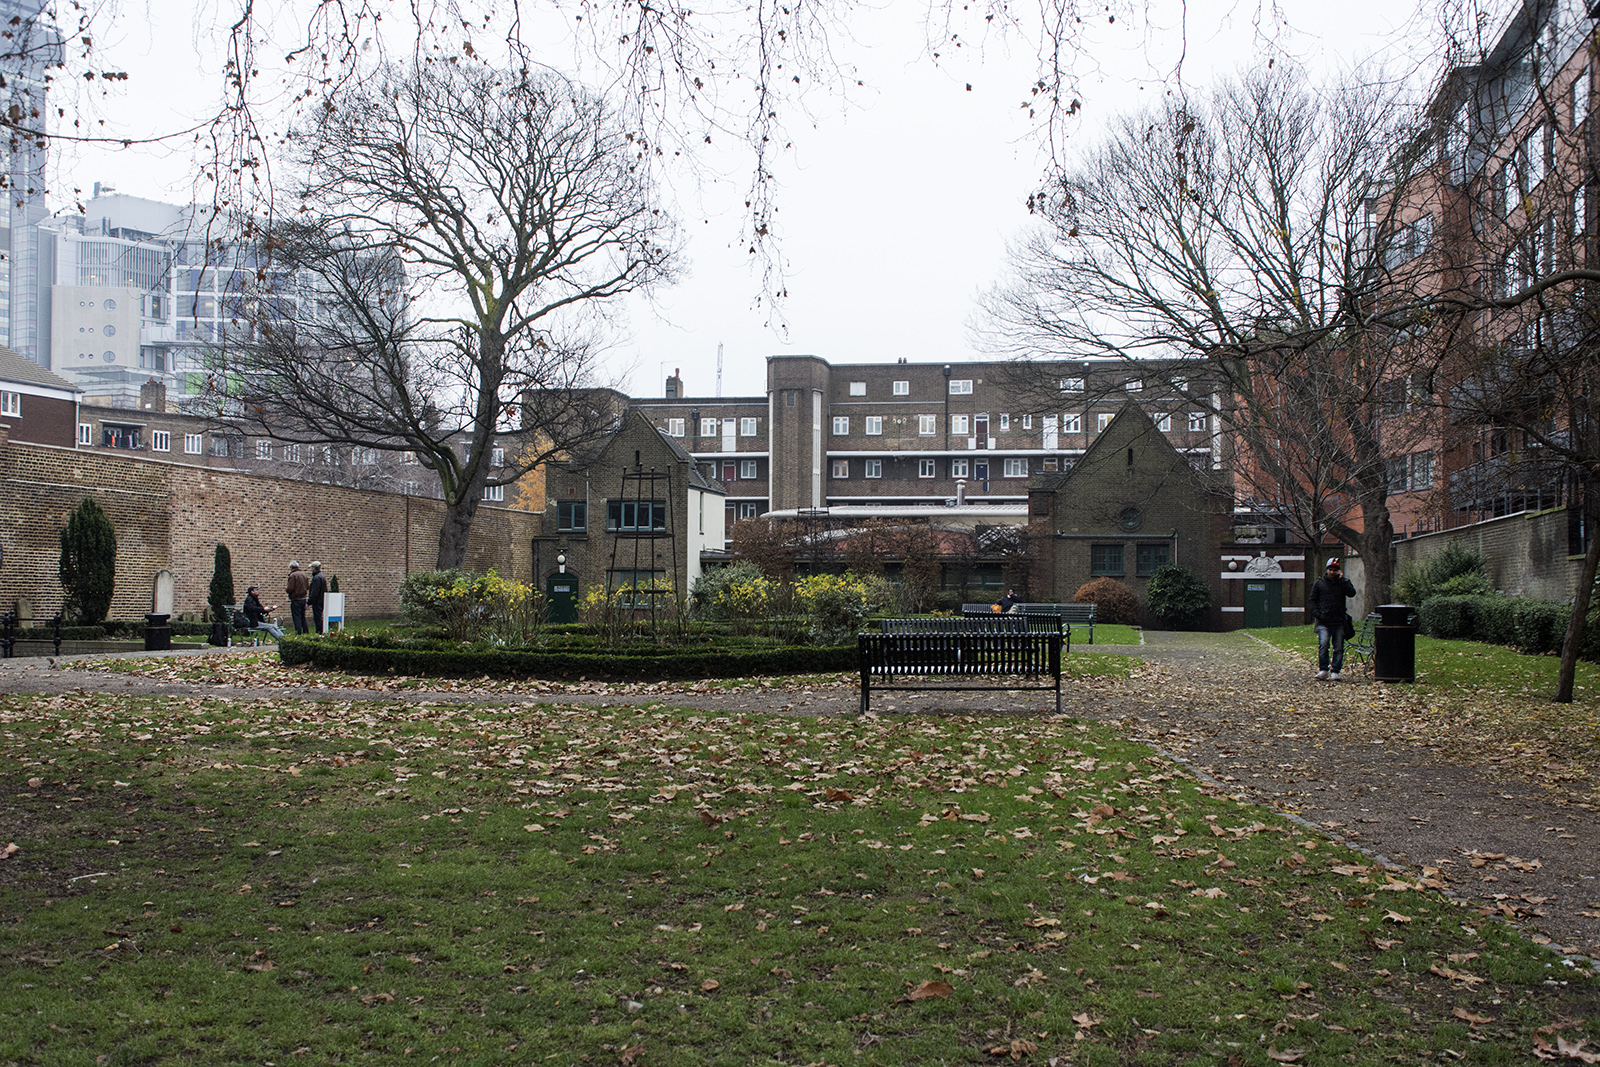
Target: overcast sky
{"type": "Point", "coordinates": [894, 209]}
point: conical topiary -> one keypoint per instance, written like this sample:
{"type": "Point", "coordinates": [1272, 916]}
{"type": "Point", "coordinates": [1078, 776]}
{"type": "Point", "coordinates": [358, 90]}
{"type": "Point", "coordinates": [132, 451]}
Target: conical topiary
{"type": "Point", "coordinates": [88, 567]}
{"type": "Point", "coordinates": [221, 592]}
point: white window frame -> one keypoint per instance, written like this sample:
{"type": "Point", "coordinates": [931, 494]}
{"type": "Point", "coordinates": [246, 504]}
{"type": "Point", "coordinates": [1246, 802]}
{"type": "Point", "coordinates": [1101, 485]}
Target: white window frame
{"type": "Point", "coordinates": [874, 425]}
{"type": "Point", "coordinates": [927, 425]}
{"type": "Point", "coordinates": [1015, 467]}
{"type": "Point", "coordinates": [11, 404]}
{"type": "Point", "coordinates": [161, 440]}
{"type": "Point", "coordinates": [927, 468]}
{"type": "Point", "coordinates": [497, 457]}
{"type": "Point", "coordinates": [858, 388]}
{"type": "Point", "coordinates": [1197, 421]}
{"type": "Point", "coordinates": [874, 469]}
{"type": "Point", "coordinates": [959, 425]}
{"type": "Point", "coordinates": [1072, 385]}
{"type": "Point", "coordinates": [494, 492]}
{"type": "Point", "coordinates": [747, 427]}
{"type": "Point", "coordinates": [960, 386]}
{"type": "Point", "coordinates": [839, 468]}
{"type": "Point", "coordinates": [708, 427]}
{"type": "Point", "coordinates": [1072, 424]}
{"type": "Point", "coordinates": [1580, 98]}
{"type": "Point", "coordinates": [1102, 420]}
{"type": "Point", "coordinates": [86, 433]}
{"type": "Point", "coordinates": [193, 444]}
{"type": "Point", "coordinates": [841, 426]}
{"type": "Point", "coordinates": [263, 448]}
{"type": "Point", "coordinates": [1164, 423]}
{"type": "Point", "coordinates": [749, 510]}
{"type": "Point", "coordinates": [959, 468]}
{"type": "Point", "coordinates": [902, 388]}
{"type": "Point", "coordinates": [1133, 385]}
{"type": "Point", "coordinates": [1005, 422]}
{"type": "Point", "coordinates": [674, 427]}
{"type": "Point", "coordinates": [748, 470]}
{"type": "Point", "coordinates": [291, 453]}
{"type": "Point", "coordinates": [1027, 422]}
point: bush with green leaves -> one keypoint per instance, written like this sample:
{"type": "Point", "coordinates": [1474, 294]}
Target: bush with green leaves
{"type": "Point", "coordinates": [1178, 596]}
{"type": "Point", "coordinates": [836, 605]}
{"type": "Point", "coordinates": [88, 568]}
{"type": "Point", "coordinates": [470, 607]}
{"type": "Point", "coordinates": [1114, 602]}
{"type": "Point", "coordinates": [1454, 570]}
{"type": "Point", "coordinates": [220, 594]}
{"type": "Point", "coordinates": [738, 591]}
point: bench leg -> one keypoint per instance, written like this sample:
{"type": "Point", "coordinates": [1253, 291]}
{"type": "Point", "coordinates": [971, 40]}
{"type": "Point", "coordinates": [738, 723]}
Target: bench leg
{"type": "Point", "coordinates": [866, 692]}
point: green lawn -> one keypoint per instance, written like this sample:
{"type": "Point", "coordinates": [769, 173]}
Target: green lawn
{"type": "Point", "coordinates": [214, 882]}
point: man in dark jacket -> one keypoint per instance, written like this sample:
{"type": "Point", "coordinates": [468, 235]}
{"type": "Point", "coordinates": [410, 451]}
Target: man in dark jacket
{"type": "Point", "coordinates": [1325, 602]}
{"type": "Point", "coordinates": [1007, 602]}
{"type": "Point", "coordinates": [256, 613]}
{"type": "Point", "coordinates": [315, 593]}
{"type": "Point", "coordinates": [297, 589]}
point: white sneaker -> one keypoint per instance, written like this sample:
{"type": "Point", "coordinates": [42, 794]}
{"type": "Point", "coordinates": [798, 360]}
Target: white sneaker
{"type": "Point", "coordinates": [1334, 676]}
{"type": "Point", "coordinates": [1322, 674]}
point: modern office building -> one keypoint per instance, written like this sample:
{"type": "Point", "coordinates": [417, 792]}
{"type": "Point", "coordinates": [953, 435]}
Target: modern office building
{"type": "Point", "coordinates": [32, 47]}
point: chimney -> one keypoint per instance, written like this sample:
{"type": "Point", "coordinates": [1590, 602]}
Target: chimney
{"type": "Point", "coordinates": [153, 397]}
{"type": "Point", "coordinates": [961, 491]}
{"type": "Point", "coordinates": [675, 385]}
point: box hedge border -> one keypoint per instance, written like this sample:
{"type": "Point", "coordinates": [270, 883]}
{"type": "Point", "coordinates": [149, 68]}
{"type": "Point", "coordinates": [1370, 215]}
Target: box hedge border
{"type": "Point", "coordinates": [1535, 627]}
{"type": "Point", "coordinates": [660, 665]}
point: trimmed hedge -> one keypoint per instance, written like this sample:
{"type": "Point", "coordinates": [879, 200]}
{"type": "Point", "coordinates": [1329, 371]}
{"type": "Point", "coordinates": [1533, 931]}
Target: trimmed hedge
{"type": "Point", "coordinates": [656, 664]}
{"type": "Point", "coordinates": [1536, 627]}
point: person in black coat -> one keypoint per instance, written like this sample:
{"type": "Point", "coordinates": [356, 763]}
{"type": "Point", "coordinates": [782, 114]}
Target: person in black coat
{"type": "Point", "coordinates": [1008, 601]}
{"type": "Point", "coordinates": [316, 591]}
{"type": "Point", "coordinates": [257, 614]}
{"type": "Point", "coordinates": [1325, 603]}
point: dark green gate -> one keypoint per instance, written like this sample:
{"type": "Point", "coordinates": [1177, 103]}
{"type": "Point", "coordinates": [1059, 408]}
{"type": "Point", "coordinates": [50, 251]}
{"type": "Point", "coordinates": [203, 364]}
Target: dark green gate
{"type": "Point", "coordinates": [1263, 602]}
{"type": "Point", "coordinates": [561, 598]}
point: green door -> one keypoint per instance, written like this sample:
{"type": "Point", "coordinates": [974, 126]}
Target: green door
{"type": "Point", "coordinates": [1263, 603]}
{"type": "Point", "coordinates": [561, 598]}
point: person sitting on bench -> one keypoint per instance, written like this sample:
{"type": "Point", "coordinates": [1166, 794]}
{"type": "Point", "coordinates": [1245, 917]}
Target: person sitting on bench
{"type": "Point", "coordinates": [1007, 602]}
{"type": "Point", "coordinates": [256, 615]}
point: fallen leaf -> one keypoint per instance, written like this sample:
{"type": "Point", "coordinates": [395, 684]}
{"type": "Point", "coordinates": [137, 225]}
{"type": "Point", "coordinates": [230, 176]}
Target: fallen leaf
{"type": "Point", "coordinates": [709, 984]}
{"type": "Point", "coordinates": [931, 990]}
{"type": "Point", "coordinates": [1288, 1055]}
{"type": "Point", "coordinates": [1463, 1013]}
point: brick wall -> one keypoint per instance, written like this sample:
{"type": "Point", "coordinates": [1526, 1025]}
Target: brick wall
{"type": "Point", "coordinates": [172, 516]}
{"type": "Point", "coordinates": [1524, 554]}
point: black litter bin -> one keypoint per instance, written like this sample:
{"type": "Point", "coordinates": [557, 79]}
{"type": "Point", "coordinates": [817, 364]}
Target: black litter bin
{"type": "Point", "coordinates": [1394, 644]}
{"type": "Point", "coordinates": [157, 633]}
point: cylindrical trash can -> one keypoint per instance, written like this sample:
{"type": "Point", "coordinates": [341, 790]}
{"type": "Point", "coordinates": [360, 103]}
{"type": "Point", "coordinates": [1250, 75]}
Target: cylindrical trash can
{"type": "Point", "coordinates": [1394, 644]}
{"type": "Point", "coordinates": [157, 633]}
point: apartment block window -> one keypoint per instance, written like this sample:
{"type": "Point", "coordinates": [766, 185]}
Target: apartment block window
{"type": "Point", "coordinates": [1027, 422]}
{"type": "Point", "coordinates": [749, 510]}
{"type": "Point", "coordinates": [926, 468]}
{"type": "Point", "coordinates": [497, 457]}
{"type": "Point", "coordinates": [1180, 385]}
{"type": "Point", "coordinates": [193, 444]}
{"type": "Point", "coordinates": [708, 427]}
{"type": "Point", "coordinates": [263, 449]}
{"type": "Point", "coordinates": [1102, 420]}
{"type": "Point", "coordinates": [85, 433]}
{"type": "Point", "coordinates": [1580, 98]}
{"type": "Point", "coordinates": [291, 453]}
{"type": "Point", "coordinates": [1198, 422]}
{"type": "Point", "coordinates": [959, 468]}
{"type": "Point", "coordinates": [927, 425]}
{"type": "Point", "coordinates": [1072, 424]}
{"type": "Point", "coordinates": [411, 488]}
{"type": "Point", "coordinates": [858, 388]}
{"type": "Point", "coordinates": [1005, 422]}
{"type": "Point", "coordinates": [1580, 217]}
{"type": "Point", "coordinates": [1411, 474]}
{"type": "Point", "coordinates": [1016, 467]}
{"type": "Point", "coordinates": [405, 457]}
{"type": "Point", "coordinates": [841, 425]}
{"type": "Point", "coordinates": [839, 468]}
{"type": "Point", "coordinates": [747, 427]}
{"type": "Point", "coordinates": [636, 514]}
{"type": "Point", "coordinates": [959, 425]}
{"type": "Point", "coordinates": [874, 469]}
{"type": "Point", "coordinates": [1164, 423]}
{"type": "Point", "coordinates": [367, 457]}
{"type": "Point", "coordinates": [494, 492]}
{"type": "Point", "coordinates": [160, 440]}
{"type": "Point", "coordinates": [747, 469]}
{"type": "Point", "coordinates": [874, 425]}
{"type": "Point", "coordinates": [1533, 157]}
{"type": "Point", "coordinates": [1148, 558]}
{"type": "Point", "coordinates": [960, 386]}
{"type": "Point", "coordinates": [902, 388]}
{"type": "Point", "coordinates": [1105, 560]}
{"type": "Point", "coordinates": [1072, 385]}
{"type": "Point", "coordinates": [10, 403]}
{"type": "Point", "coordinates": [572, 516]}
{"type": "Point", "coordinates": [674, 427]}
{"type": "Point", "coordinates": [1134, 385]}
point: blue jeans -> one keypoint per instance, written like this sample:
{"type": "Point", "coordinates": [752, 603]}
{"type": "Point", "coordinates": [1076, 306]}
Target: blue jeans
{"type": "Point", "coordinates": [1333, 634]}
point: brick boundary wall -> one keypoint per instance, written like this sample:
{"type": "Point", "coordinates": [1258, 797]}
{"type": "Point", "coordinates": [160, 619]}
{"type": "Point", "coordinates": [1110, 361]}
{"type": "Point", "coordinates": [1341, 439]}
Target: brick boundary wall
{"type": "Point", "coordinates": [172, 516]}
{"type": "Point", "coordinates": [1524, 554]}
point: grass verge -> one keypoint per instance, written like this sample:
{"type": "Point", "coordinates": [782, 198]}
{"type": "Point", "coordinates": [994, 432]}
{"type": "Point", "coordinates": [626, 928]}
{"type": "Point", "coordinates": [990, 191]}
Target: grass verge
{"type": "Point", "coordinates": [246, 882]}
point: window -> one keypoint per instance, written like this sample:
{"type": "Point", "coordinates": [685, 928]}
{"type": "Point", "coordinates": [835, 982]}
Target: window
{"type": "Point", "coordinates": [874, 425]}
{"type": "Point", "coordinates": [10, 403]}
{"type": "Point", "coordinates": [1149, 557]}
{"type": "Point", "coordinates": [291, 453]}
{"type": "Point", "coordinates": [1580, 98]}
{"type": "Point", "coordinates": [1105, 560]}
{"type": "Point", "coordinates": [747, 427]}
{"type": "Point", "coordinates": [1072, 424]}
{"type": "Point", "coordinates": [85, 433]}
{"type": "Point", "coordinates": [840, 468]}
{"type": "Point", "coordinates": [747, 469]}
{"type": "Point", "coordinates": [192, 444]}
{"type": "Point", "coordinates": [263, 449]}
{"type": "Point", "coordinates": [1102, 420]}
{"type": "Point", "coordinates": [1027, 422]}
{"type": "Point", "coordinates": [1164, 423]}
{"type": "Point", "coordinates": [638, 588]}
{"type": "Point", "coordinates": [874, 469]}
{"type": "Point", "coordinates": [1532, 157]}
{"type": "Point", "coordinates": [708, 427]}
{"type": "Point", "coordinates": [120, 436]}
{"type": "Point", "coordinates": [1134, 385]}
{"type": "Point", "coordinates": [161, 440]}
{"type": "Point", "coordinates": [958, 468]}
{"type": "Point", "coordinates": [674, 427]}
{"type": "Point", "coordinates": [1072, 385]}
{"type": "Point", "coordinates": [1580, 216]}
{"type": "Point", "coordinates": [749, 510]}
{"type": "Point", "coordinates": [960, 386]}
{"type": "Point", "coordinates": [411, 488]}
{"type": "Point", "coordinates": [925, 468]}
{"type": "Point", "coordinates": [572, 515]}
{"type": "Point", "coordinates": [902, 388]}
{"type": "Point", "coordinates": [361, 456]}
{"type": "Point", "coordinates": [636, 514]}
{"type": "Point", "coordinates": [1411, 474]}
{"type": "Point", "coordinates": [958, 425]}
{"type": "Point", "coordinates": [494, 492]}
{"type": "Point", "coordinates": [1197, 421]}
{"type": "Point", "coordinates": [1005, 422]}
{"type": "Point", "coordinates": [858, 388]}
{"type": "Point", "coordinates": [219, 445]}
{"type": "Point", "coordinates": [405, 457]}
{"type": "Point", "coordinates": [1016, 467]}
{"type": "Point", "coordinates": [927, 425]}
{"type": "Point", "coordinates": [497, 457]}
{"type": "Point", "coordinates": [841, 425]}
{"type": "Point", "coordinates": [1180, 385]}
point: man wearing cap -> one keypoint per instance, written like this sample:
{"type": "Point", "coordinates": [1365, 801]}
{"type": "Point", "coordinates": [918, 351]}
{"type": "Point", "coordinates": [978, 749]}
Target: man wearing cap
{"type": "Point", "coordinates": [316, 591]}
{"type": "Point", "coordinates": [257, 613]}
{"type": "Point", "coordinates": [297, 590]}
{"type": "Point", "coordinates": [1325, 602]}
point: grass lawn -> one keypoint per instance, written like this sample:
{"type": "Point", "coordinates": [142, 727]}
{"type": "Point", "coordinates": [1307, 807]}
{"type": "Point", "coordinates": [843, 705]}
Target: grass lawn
{"type": "Point", "coordinates": [202, 881]}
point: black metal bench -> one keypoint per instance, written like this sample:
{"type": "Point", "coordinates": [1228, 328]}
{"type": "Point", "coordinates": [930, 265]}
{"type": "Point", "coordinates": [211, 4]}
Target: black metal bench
{"type": "Point", "coordinates": [994, 622]}
{"type": "Point", "coordinates": [1359, 648]}
{"type": "Point", "coordinates": [1079, 615]}
{"type": "Point", "coordinates": [971, 653]}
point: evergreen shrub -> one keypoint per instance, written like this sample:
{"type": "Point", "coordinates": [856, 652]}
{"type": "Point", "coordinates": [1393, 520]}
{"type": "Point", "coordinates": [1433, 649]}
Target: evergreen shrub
{"type": "Point", "coordinates": [221, 594]}
{"type": "Point", "coordinates": [88, 568]}
{"type": "Point", "coordinates": [1177, 596]}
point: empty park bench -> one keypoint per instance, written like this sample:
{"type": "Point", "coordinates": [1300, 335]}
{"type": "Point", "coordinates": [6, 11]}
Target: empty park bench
{"type": "Point", "coordinates": [977, 651]}
{"type": "Point", "coordinates": [1359, 648]}
{"type": "Point", "coordinates": [1079, 615]}
{"type": "Point", "coordinates": [993, 622]}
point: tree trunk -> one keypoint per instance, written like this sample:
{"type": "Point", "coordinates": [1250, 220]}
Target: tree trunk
{"type": "Point", "coordinates": [1580, 611]}
{"type": "Point", "coordinates": [454, 531]}
{"type": "Point", "coordinates": [1377, 532]}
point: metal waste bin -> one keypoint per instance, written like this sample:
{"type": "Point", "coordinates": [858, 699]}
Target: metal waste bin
{"type": "Point", "coordinates": [157, 633]}
{"type": "Point", "coordinates": [1394, 644]}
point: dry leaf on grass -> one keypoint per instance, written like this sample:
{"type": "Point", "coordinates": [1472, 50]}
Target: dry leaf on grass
{"type": "Point", "coordinates": [932, 990]}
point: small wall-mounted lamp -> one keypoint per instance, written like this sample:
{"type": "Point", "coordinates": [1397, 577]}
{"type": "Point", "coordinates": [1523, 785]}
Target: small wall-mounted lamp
{"type": "Point", "coordinates": [561, 563]}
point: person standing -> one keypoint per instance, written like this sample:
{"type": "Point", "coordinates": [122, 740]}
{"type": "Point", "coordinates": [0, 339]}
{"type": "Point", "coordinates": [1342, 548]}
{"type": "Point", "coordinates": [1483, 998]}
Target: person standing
{"type": "Point", "coordinates": [316, 591]}
{"type": "Point", "coordinates": [297, 591]}
{"type": "Point", "coordinates": [1326, 605]}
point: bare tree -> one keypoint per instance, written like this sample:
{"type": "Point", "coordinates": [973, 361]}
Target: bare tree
{"type": "Point", "coordinates": [1238, 249]}
{"type": "Point", "coordinates": [453, 221]}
